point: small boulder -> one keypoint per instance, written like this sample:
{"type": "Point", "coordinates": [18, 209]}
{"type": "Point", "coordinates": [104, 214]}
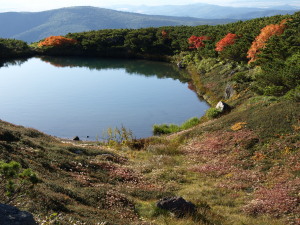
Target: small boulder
{"type": "Point", "coordinates": [229, 91]}
{"type": "Point", "coordinates": [10, 215]}
{"type": "Point", "coordinates": [223, 107]}
{"type": "Point", "coordinates": [180, 65]}
{"type": "Point", "coordinates": [76, 138]}
{"type": "Point", "coordinates": [177, 205]}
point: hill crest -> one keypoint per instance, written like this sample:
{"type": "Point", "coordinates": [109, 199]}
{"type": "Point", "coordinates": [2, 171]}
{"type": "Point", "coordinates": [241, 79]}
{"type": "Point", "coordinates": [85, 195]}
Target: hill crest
{"type": "Point", "coordinates": [34, 26]}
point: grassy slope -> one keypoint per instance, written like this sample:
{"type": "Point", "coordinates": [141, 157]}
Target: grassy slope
{"type": "Point", "coordinates": [246, 174]}
{"type": "Point", "coordinates": [88, 184]}
{"type": "Point", "coordinates": [244, 165]}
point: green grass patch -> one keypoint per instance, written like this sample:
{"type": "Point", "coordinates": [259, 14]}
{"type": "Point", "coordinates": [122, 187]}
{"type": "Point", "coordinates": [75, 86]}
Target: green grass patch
{"type": "Point", "coordinates": [173, 128]}
{"type": "Point", "coordinates": [212, 113]}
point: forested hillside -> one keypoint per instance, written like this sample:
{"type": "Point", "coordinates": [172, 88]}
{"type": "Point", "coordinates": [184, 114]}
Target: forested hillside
{"type": "Point", "coordinates": [10, 48]}
{"type": "Point", "coordinates": [33, 26]}
{"type": "Point", "coordinates": [170, 40]}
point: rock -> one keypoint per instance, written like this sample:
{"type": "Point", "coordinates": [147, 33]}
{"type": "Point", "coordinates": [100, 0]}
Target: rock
{"type": "Point", "coordinates": [180, 65]}
{"type": "Point", "coordinates": [76, 138]}
{"type": "Point", "coordinates": [232, 72]}
{"type": "Point", "coordinates": [177, 205]}
{"type": "Point", "coordinates": [229, 91]}
{"type": "Point", "coordinates": [10, 215]}
{"type": "Point", "coordinates": [223, 107]}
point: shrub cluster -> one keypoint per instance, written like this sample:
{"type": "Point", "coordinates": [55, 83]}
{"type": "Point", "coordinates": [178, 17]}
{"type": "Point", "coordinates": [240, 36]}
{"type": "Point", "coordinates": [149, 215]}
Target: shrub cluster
{"type": "Point", "coordinates": [57, 41]}
{"type": "Point", "coordinates": [14, 181]}
{"type": "Point", "coordinates": [172, 128]}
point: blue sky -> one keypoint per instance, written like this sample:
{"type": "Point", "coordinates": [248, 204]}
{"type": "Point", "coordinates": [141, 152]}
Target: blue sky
{"type": "Point", "coordinates": [40, 5]}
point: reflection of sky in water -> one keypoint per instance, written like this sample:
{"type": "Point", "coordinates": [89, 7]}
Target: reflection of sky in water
{"type": "Point", "coordinates": [78, 101]}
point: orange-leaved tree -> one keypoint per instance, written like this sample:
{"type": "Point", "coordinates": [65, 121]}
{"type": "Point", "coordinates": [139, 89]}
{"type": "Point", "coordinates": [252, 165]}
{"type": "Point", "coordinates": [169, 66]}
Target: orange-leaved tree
{"type": "Point", "coordinates": [57, 41]}
{"type": "Point", "coordinates": [164, 34]}
{"type": "Point", "coordinates": [197, 42]}
{"type": "Point", "coordinates": [260, 41]}
{"type": "Point", "coordinates": [229, 39]}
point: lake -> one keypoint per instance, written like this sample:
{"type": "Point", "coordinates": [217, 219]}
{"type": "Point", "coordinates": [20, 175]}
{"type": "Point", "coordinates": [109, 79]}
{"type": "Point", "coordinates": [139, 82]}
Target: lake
{"type": "Point", "coordinates": [67, 97]}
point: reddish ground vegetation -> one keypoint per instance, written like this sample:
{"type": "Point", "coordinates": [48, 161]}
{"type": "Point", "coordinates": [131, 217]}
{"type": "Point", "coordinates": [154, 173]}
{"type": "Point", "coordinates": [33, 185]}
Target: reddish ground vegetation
{"type": "Point", "coordinates": [221, 142]}
{"type": "Point", "coordinates": [239, 163]}
{"type": "Point", "coordinates": [282, 198]}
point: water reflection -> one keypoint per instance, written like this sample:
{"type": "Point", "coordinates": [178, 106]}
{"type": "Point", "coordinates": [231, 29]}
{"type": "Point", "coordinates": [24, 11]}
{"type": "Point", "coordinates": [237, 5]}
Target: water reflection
{"type": "Point", "coordinates": [141, 67]}
{"type": "Point", "coordinates": [13, 62]}
{"type": "Point", "coordinates": [85, 96]}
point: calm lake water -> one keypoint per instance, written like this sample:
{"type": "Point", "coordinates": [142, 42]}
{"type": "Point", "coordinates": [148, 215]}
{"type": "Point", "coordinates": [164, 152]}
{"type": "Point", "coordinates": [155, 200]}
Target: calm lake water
{"type": "Point", "coordinates": [66, 97]}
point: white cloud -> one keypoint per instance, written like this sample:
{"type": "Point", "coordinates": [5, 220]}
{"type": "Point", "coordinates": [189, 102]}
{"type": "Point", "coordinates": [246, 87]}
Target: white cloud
{"type": "Point", "coordinates": [38, 5]}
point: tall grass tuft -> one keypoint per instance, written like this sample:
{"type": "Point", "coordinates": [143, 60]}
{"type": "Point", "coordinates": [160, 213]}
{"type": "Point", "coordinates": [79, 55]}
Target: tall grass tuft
{"type": "Point", "coordinates": [118, 135]}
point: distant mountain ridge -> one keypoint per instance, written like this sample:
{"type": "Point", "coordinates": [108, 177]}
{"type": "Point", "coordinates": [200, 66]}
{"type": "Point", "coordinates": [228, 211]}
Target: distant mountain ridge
{"type": "Point", "coordinates": [210, 11]}
{"type": "Point", "coordinates": [34, 26]}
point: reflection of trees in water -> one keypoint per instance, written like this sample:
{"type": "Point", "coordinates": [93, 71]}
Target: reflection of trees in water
{"type": "Point", "coordinates": [141, 67]}
{"type": "Point", "coordinates": [14, 62]}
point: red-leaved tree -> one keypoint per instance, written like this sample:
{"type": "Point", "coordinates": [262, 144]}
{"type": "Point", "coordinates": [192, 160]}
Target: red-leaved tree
{"type": "Point", "coordinates": [260, 41]}
{"type": "Point", "coordinates": [57, 41]}
{"type": "Point", "coordinates": [229, 39]}
{"type": "Point", "coordinates": [164, 34]}
{"type": "Point", "coordinates": [197, 42]}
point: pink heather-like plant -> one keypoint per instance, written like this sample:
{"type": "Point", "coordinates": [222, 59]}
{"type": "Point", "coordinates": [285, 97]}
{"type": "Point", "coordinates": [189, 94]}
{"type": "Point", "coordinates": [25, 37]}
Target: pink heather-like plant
{"type": "Point", "coordinates": [124, 175]}
{"type": "Point", "coordinates": [239, 179]}
{"type": "Point", "coordinates": [219, 143]}
{"type": "Point", "coordinates": [215, 168]}
{"type": "Point", "coordinates": [281, 199]}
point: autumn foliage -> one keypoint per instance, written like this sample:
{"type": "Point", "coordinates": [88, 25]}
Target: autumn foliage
{"type": "Point", "coordinates": [229, 39]}
{"type": "Point", "coordinates": [164, 33]}
{"type": "Point", "coordinates": [260, 41]}
{"type": "Point", "coordinates": [57, 41]}
{"type": "Point", "coordinates": [197, 42]}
